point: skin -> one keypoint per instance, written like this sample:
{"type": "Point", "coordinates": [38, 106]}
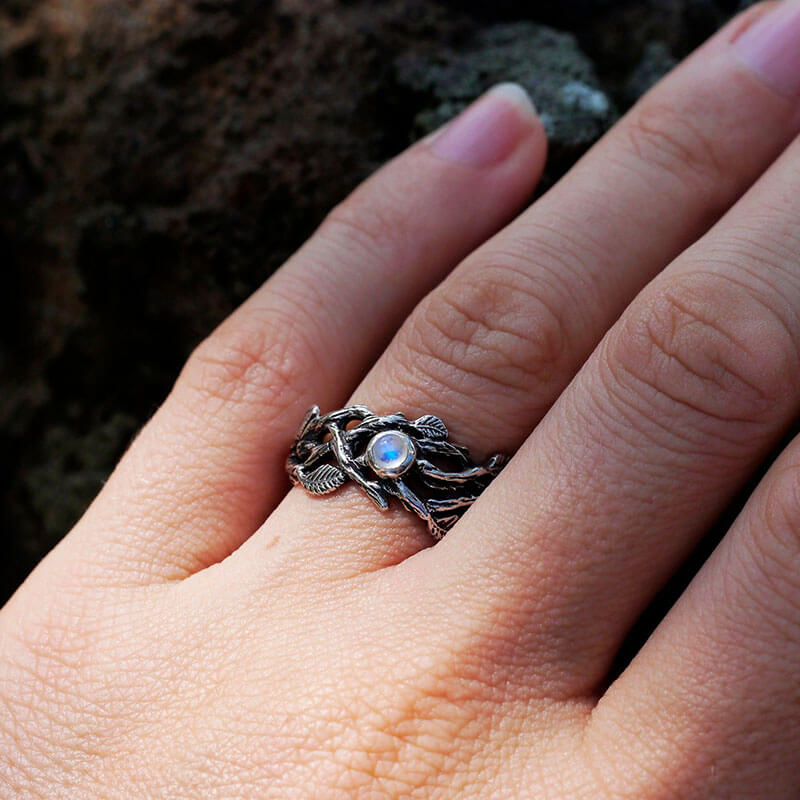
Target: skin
{"type": "Point", "coordinates": [203, 632]}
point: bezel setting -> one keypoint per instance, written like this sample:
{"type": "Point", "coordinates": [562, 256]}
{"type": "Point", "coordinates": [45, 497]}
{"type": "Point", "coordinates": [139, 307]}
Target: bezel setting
{"type": "Point", "coordinates": [396, 467]}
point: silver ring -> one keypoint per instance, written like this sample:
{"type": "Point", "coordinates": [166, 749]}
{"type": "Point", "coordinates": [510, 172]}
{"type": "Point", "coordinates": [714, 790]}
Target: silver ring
{"type": "Point", "coordinates": [390, 456]}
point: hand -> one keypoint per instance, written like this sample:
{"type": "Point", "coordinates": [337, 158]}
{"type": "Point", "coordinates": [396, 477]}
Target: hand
{"type": "Point", "coordinates": [634, 337]}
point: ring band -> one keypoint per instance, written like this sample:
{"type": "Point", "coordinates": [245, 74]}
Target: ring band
{"type": "Point", "coordinates": [387, 457]}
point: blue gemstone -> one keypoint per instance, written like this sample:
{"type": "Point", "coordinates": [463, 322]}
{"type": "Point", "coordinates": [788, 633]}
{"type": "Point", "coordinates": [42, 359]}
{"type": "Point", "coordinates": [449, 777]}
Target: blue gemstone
{"type": "Point", "coordinates": [391, 453]}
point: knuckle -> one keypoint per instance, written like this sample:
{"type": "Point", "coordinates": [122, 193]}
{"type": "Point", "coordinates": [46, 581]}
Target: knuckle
{"type": "Point", "coordinates": [365, 222]}
{"type": "Point", "coordinates": [780, 512]}
{"type": "Point", "coordinates": [491, 330]}
{"type": "Point", "coordinates": [708, 345]}
{"type": "Point", "coordinates": [773, 542]}
{"type": "Point", "coordinates": [251, 360]}
{"type": "Point", "coordinates": [662, 134]}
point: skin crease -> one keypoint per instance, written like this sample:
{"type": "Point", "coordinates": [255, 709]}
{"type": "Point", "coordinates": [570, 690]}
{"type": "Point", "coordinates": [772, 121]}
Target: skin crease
{"type": "Point", "coordinates": [202, 633]}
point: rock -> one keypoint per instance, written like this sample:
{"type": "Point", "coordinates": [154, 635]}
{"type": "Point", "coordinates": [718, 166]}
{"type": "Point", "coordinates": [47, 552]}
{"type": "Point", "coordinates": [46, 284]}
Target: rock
{"type": "Point", "coordinates": [54, 483]}
{"type": "Point", "coordinates": [548, 63]}
{"type": "Point", "coordinates": [72, 469]}
{"type": "Point", "coordinates": [656, 62]}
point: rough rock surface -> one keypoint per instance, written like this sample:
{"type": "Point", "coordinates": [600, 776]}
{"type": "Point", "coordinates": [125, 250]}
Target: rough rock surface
{"type": "Point", "coordinates": [159, 158]}
{"type": "Point", "coordinates": [561, 80]}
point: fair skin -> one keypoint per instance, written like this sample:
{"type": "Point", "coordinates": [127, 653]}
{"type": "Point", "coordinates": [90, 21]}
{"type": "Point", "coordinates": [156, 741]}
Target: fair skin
{"type": "Point", "coordinates": [633, 336]}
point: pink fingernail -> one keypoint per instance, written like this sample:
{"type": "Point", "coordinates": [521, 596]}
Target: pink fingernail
{"type": "Point", "coordinates": [489, 130]}
{"type": "Point", "coordinates": [771, 47]}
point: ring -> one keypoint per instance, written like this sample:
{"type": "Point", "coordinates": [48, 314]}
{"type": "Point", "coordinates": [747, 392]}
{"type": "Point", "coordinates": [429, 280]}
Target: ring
{"type": "Point", "coordinates": [387, 457]}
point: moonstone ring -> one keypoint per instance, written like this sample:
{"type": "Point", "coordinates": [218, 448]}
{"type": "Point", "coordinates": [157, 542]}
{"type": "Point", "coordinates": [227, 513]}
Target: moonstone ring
{"type": "Point", "coordinates": [387, 457]}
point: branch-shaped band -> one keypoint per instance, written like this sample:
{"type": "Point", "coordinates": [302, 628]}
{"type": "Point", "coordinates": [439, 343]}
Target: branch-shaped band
{"type": "Point", "coordinates": [390, 456]}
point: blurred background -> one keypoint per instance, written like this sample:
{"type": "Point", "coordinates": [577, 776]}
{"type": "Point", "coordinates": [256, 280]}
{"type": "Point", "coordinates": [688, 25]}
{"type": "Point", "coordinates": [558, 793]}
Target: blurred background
{"type": "Point", "coordinates": [159, 158]}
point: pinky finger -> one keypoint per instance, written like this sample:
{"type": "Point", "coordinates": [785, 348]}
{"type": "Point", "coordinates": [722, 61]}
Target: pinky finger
{"type": "Point", "coordinates": [714, 696]}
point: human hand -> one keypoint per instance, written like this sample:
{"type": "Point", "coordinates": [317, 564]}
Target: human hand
{"type": "Point", "coordinates": [200, 633]}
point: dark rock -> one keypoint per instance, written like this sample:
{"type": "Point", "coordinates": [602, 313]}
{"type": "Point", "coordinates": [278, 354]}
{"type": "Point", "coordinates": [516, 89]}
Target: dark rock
{"type": "Point", "coordinates": [71, 470]}
{"type": "Point", "coordinates": [656, 62]}
{"type": "Point", "coordinates": [53, 483]}
{"type": "Point", "coordinates": [614, 33]}
{"type": "Point", "coordinates": [549, 64]}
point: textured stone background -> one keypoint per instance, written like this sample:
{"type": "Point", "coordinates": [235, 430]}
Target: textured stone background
{"type": "Point", "coordinates": [159, 158]}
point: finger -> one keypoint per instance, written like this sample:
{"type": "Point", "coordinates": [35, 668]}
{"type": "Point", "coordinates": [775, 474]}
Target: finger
{"type": "Point", "coordinates": [209, 467]}
{"type": "Point", "coordinates": [684, 398]}
{"type": "Point", "coordinates": [493, 346]}
{"type": "Point", "coordinates": [712, 702]}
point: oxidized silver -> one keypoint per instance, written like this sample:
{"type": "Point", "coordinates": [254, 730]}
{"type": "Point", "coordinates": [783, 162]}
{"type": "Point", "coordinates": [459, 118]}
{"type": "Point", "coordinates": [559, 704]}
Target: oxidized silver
{"type": "Point", "coordinates": [389, 457]}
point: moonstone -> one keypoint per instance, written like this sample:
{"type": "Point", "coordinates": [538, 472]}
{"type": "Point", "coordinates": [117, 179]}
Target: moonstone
{"type": "Point", "coordinates": [390, 453]}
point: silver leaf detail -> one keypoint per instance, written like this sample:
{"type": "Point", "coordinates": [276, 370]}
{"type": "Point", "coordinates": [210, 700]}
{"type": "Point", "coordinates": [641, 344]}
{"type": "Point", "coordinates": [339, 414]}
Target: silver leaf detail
{"type": "Point", "coordinates": [431, 427]}
{"type": "Point", "coordinates": [323, 480]}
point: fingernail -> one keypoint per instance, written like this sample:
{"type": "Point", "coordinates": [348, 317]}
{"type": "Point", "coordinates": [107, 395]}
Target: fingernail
{"type": "Point", "coordinates": [489, 130]}
{"type": "Point", "coordinates": [771, 47]}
